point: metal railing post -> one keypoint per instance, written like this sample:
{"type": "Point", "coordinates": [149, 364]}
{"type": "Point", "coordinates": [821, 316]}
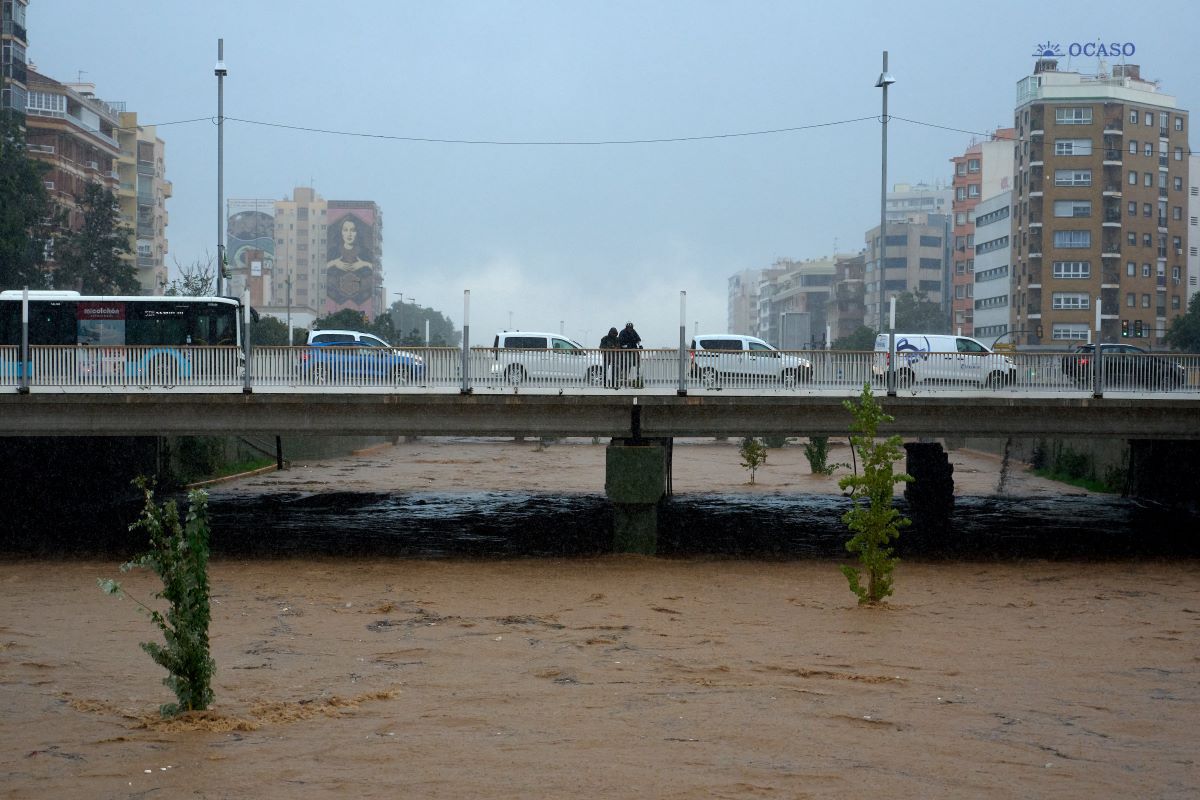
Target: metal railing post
{"type": "Point", "coordinates": [465, 388]}
{"type": "Point", "coordinates": [682, 390]}
{"type": "Point", "coordinates": [26, 362]}
{"type": "Point", "coordinates": [246, 378]}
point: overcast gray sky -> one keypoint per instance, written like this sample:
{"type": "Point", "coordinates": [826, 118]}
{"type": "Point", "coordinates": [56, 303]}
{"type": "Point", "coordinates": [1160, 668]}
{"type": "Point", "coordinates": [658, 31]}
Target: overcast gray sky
{"type": "Point", "coordinates": [579, 235]}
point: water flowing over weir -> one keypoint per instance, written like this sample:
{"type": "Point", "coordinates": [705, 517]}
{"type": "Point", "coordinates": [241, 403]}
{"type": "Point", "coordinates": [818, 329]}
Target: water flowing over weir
{"type": "Point", "coordinates": [529, 525]}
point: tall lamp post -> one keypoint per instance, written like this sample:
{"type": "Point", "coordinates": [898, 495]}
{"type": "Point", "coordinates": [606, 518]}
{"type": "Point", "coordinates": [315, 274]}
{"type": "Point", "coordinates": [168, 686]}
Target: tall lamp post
{"type": "Point", "coordinates": [885, 80]}
{"type": "Point", "coordinates": [220, 72]}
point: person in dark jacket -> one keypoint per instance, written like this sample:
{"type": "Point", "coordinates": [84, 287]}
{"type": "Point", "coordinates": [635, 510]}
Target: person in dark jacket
{"type": "Point", "coordinates": [610, 344]}
{"type": "Point", "coordinates": [629, 340]}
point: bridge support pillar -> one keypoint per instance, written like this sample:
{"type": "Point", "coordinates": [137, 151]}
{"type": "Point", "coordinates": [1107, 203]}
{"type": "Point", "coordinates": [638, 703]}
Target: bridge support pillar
{"type": "Point", "coordinates": [636, 475]}
{"type": "Point", "coordinates": [1166, 471]}
{"type": "Point", "coordinates": [931, 494]}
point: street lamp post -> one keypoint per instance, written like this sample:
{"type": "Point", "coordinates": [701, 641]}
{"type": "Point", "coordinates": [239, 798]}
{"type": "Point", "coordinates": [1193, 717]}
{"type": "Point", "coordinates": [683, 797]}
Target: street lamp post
{"type": "Point", "coordinates": [220, 72]}
{"type": "Point", "coordinates": [885, 80]}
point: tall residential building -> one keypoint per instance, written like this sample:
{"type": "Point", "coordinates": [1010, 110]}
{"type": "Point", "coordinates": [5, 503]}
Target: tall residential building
{"type": "Point", "coordinates": [984, 170]}
{"type": "Point", "coordinates": [1193, 236]}
{"type": "Point", "coordinates": [792, 297]}
{"type": "Point", "coordinates": [915, 257]}
{"type": "Point", "coordinates": [73, 131]}
{"type": "Point", "coordinates": [913, 202]}
{"type": "Point", "coordinates": [846, 308]}
{"type": "Point", "coordinates": [743, 302]}
{"type": "Point", "coordinates": [307, 257]}
{"type": "Point", "coordinates": [142, 195]}
{"type": "Point", "coordinates": [13, 69]}
{"type": "Point", "coordinates": [1098, 206]}
{"type": "Point", "coordinates": [993, 267]}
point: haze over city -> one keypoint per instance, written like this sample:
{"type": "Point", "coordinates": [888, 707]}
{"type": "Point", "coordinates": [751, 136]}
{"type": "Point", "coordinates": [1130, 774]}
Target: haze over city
{"type": "Point", "coordinates": [577, 165]}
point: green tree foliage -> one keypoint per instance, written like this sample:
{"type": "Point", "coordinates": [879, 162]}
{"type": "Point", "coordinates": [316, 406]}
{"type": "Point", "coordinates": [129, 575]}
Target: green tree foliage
{"type": "Point", "coordinates": [753, 453]}
{"type": "Point", "coordinates": [876, 522]}
{"type": "Point", "coordinates": [197, 279]}
{"type": "Point", "coordinates": [1184, 332]}
{"type": "Point", "coordinates": [816, 450]}
{"type": "Point", "coordinates": [916, 314]}
{"type": "Point", "coordinates": [89, 259]}
{"type": "Point", "coordinates": [178, 554]}
{"type": "Point", "coordinates": [25, 208]}
{"type": "Point", "coordinates": [402, 324]}
{"type": "Point", "coordinates": [272, 332]}
{"type": "Point", "coordinates": [863, 338]}
{"type": "Point", "coordinates": [346, 319]}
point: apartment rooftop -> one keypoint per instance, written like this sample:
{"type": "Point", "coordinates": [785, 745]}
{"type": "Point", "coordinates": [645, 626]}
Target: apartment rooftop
{"type": "Point", "coordinates": [1123, 82]}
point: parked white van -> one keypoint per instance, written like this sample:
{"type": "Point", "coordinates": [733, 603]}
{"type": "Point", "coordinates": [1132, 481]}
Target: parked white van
{"type": "Point", "coordinates": [719, 357]}
{"type": "Point", "coordinates": [524, 356]}
{"type": "Point", "coordinates": [944, 358]}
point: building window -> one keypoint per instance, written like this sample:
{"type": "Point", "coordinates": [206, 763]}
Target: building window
{"type": "Point", "coordinates": [1145, 301]}
{"type": "Point", "coordinates": [1072, 269]}
{"type": "Point", "coordinates": [960, 193]}
{"type": "Point", "coordinates": [1072, 147]}
{"type": "Point", "coordinates": [1131, 299]}
{"type": "Point", "coordinates": [1133, 115]}
{"type": "Point", "coordinates": [1133, 147]}
{"type": "Point", "coordinates": [1177, 212]}
{"type": "Point", "coordinates": [1179, 123]}
{"type": "Point", "coordinates": [960, 292]}
{"type": "Point", "coordinates": [1072, 208]}
{"type": "Point", "coordinates": [1073, 115]}
{"type": "Point", "coordinates": [1175, 301]}
{"type": "Point", "coordinates": [1072, 240]}
{"type": "Point", "coordinates": [1133, 208]}
{"type": "Point", "coordinates": [1069, 331]}
{"type": "Point", "coordinates": [973, 165]}
{"type": "Point", "coordinates": [1179, 154]}
{"type": "Point", "coordinates": [1148, 179]}
{"type": "Point", "coordinates": [960, 218]}
{"type": "Point", "coordinates": [1149, 152]}
{"type": "Point", "coordinates": [960, 168]}
{"type": "Point", "coordinates": [1130, 269]}
{"type": "Point", "coordinates": [1073, 177]}
{"type": "Point", "coordinates": [1147, 240]}
{"type": "Point", "coordinates": [1145, 270]}
{"type": "Point", "coordinates": [1132, 178]}
{"type": "Point", "coordinates": [1148, 119]}
{"type": "Point", "coordinates": [1147, 210]}
{"type": "Point", "coordinates": [1131, 239]}
{"type": "Point", "coordinates": [1179, 184]}
{"type": "Point", "coordinates": [1070, 301]}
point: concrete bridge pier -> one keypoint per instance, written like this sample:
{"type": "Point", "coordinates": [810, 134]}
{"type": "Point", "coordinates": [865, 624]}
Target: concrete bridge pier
{"type": "Point", "coordinates": [637, 478]}
{"type": "Point", "coordinates": [931, 495]}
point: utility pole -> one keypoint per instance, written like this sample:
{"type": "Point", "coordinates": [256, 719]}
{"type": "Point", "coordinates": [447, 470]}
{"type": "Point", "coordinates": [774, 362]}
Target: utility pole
{"type": "Point", "coordinates": [220, 72]}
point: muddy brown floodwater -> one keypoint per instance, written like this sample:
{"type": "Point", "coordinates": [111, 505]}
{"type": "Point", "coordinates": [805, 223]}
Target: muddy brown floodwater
{"type": "Point", "coordinates": [608, 676]}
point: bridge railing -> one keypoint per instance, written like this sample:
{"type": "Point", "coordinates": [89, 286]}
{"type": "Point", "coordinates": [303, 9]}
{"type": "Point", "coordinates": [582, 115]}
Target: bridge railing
{"type": "Point", "coordinates": [416, 369]}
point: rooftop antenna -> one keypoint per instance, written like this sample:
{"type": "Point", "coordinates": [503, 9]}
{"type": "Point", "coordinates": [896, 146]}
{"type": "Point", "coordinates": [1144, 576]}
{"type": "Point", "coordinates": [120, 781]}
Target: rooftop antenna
{"type": "Point", "coordinates": [79, 75]}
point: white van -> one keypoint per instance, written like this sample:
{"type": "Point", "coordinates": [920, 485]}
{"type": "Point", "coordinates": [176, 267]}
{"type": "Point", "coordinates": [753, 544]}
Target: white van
{"type": "Point", "coordinates": [524, 356]}
{"type": "Point", "coordinates": [718, 357]}
{"type": "Point", "coordinates": [944, 358]}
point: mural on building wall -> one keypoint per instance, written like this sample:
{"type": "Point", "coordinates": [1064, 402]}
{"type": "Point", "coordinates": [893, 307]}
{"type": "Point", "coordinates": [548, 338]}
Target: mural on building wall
{"type": "Point", "coordinates": [250, 245]}
{"type": "Point", "coordinates": [351, 271]}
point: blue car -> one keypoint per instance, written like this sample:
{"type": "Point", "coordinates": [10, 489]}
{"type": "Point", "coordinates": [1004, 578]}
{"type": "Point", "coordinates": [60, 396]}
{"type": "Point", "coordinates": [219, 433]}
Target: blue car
{"type": "Point", "coordinates": [356, 358]}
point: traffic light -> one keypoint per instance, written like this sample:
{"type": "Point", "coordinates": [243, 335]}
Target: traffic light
{"type": "Point", "coordinates": [1125, 328]}
{"type": "Point", "coordinates": [1137, 328]}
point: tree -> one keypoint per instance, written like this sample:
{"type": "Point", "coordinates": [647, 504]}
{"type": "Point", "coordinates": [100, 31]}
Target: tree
{"type": "Point", "coordinates": [863, 338]}
{"type": "Point", "coordinates": [25, 210]}
{"type": "Point", "coordinates": [916, 314]}
{"type": "Point", "coordinates": [876, 523]}
{"type": "Point", "coordinates": [1184, 332]}
{"type": "Point", "coordinates": [345, 319]}
{"type": "Point", "coordinates": [271, 332]}
{"type": "Point", "coordinates": [197, 279]}
{"type": "Point", "coordinates": [753, 453]}
{"type": "Point", "coordinates": [90, 259]}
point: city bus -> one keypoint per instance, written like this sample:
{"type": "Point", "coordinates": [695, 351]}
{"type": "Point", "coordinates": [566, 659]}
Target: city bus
{"type": "Point", "coordinates": [94, 340]}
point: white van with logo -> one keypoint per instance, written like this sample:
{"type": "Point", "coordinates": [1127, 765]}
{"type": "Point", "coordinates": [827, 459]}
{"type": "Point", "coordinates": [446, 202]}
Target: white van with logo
{"type": "Point", "coordinates": [531, 356]}
{"type": "Point", "coordinates": [944, 358]}
{"type": "Point", "coordinates": [720, 359]}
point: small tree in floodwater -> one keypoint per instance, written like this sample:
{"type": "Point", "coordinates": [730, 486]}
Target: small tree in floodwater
{"type": "Point", "coordinates": [179, 555]}
{"type": "Point", "coordinates": [876, 522]}
{"type": "Point", "coordinates": [754, 454]}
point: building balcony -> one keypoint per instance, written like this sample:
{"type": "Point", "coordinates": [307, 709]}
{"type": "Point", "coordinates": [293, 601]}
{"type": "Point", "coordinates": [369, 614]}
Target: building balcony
{"type": "Point", "coordinates": [1112, 158]}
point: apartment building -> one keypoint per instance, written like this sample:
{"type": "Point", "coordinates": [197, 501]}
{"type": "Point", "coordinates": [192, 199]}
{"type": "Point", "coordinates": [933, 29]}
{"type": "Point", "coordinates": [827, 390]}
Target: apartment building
{"type": "Point", "coordinates": [742, 301]}
{"type": "Point", "coordinates": [792, 300]}
{"type": "Point", "coordinates": [1098, 208]}
{"type": "Point", "coordinates": [914, 202]}
{"type": "Point", "coordinates": [983, 170]}
{"type": "Point", "coordinates": [142, 193]}
{"type": "Point", "coordinates": [13, 59]}
{"type": "Point", "coordinates": [846, 307]}
{"type": "Point", "coordinates": [993, 268]}
{"type": "Point", "coordinates": [1193, 235]}
{"type": "Point", "coordinates": [74, 132]}
{"type": "Point", "coordinates": [914, 260]}
{"type": "Point", "coordinates": [305, 257]}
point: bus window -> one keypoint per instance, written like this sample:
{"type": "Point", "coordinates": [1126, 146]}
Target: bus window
{"type": "Point", "coordinates": [215, 325]}
{"type": "Point", "coordinates": [50, 323]}
{"type": "Point", "coordinates": [101, 323]}
{"type": "Point", "coordinates": [157, 324]}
